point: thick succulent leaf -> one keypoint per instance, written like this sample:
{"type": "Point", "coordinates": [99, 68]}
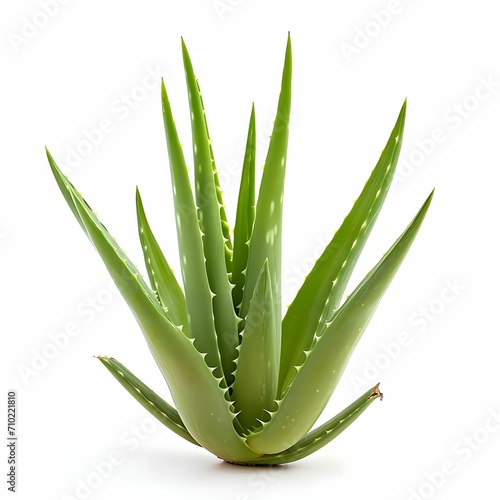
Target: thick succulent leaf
{"type": "Point", "coordinates": [245, 215]}
{"type": "Point", "coordinates": [202, 404]}
{"type": "Point", "coordinates": [126, 276]}
{"type": "Point", "coordinates": [265, 243]}
{"type": "Point", "coordinates": [161, 276]}
{"type": "Point", "coordinates": [62, 183]}
{"type": "Point", "coordinates": [197, 393]}
{"type": "Point", "coordinates": [256, 376]}
{"type": "Point", "coordinates": [226, 228]}
{"type": "Point", "coordinates": [324, 364]}
{"type": "Point", "coordinates": [196, 287]}
{"type": "Point", "coordinates": [324, 287]}
{"type": "Point", "coordinates": [157, 406]}
{"type": "Point", "coordinates": [226, 320]}
{"type": "Point", "coordinates": [324, 434]}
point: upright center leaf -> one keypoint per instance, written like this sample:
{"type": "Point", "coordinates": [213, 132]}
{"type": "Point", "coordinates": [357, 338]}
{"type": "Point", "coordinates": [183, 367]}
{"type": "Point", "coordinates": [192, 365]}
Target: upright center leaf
{"type": "Point", "coordinates": [212, 227]}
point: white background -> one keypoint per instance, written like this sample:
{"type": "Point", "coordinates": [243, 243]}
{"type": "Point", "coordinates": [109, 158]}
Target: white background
{"type": "Point", "coordinates": [66, 74]}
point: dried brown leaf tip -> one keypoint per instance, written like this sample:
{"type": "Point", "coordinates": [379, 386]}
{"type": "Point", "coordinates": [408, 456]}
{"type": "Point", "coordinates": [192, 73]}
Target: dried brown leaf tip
{"type": "Point", "coordinates": [376, 393]}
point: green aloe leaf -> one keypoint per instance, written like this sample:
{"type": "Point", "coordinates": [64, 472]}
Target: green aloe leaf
{"type": "Point", "coordinates": [65, 188]}
{"type": "Point", "coordinates": [245, 215]}
{"type": "Point", "coordinates": [323, 365]}
{"type": "Point", "coordinates": [197, 392]}
{"type": "Point", "coordinates": [207, 200]}
{"type": "Point", "coordinates": [126, 276]}
{"type": "Point", "coordinates": [256, 377]}
{"type": "Point", "coordinates": [265, 243]}
{"type": "Point", "coordinates": [200, 398]}
{"type": "Point", "coordinates": [161, 276]}
{"type": "Point", "coordinates": [196, 286]}
{"type": "Point", "coordinates": [323, 288]}
{"type": "Point", "coordinates": [157, 406]}
{"type": "Point", "coordinates": [325, 433]}
{"type": "Point", "coordinates": [225, 227]}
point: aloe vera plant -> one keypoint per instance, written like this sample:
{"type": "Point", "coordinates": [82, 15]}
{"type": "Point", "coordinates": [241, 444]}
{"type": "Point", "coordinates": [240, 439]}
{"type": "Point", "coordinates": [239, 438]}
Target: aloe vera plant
{"type": "Point", "coordinates": [247, 385]}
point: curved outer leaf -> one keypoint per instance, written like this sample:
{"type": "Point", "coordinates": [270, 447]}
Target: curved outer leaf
{"type": "Point", "coordinates": [324, 434]}
{"type": "Point", "coordinates": [324, 287]}
{"type": "Point", "coordinates": [200, 317]}
{"type": "Point", "coordinates": [266, 237]}
{"type": "Point", "coordinates": [226, 321]}
{"type": "Point", "coordinates": [157, 406]}
{"type": "Point", "coordinates": [256, 376]}
{"type": "Point", "coordinates": [160, 274]}
{"type": "Point", "coordinates": [245, 215]}
{"type": "Point", "coordinates": [317, 377]}
{"type": "Point", "coordinates": [62, 183]}
{"type": "Point", "coordinates": [125, 274]}
{"type": "Point", "coordinates": [197, 394]}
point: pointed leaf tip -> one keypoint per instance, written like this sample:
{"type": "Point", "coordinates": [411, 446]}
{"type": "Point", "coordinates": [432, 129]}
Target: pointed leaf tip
{"type": "Point", "coordinates": [148, 399]}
